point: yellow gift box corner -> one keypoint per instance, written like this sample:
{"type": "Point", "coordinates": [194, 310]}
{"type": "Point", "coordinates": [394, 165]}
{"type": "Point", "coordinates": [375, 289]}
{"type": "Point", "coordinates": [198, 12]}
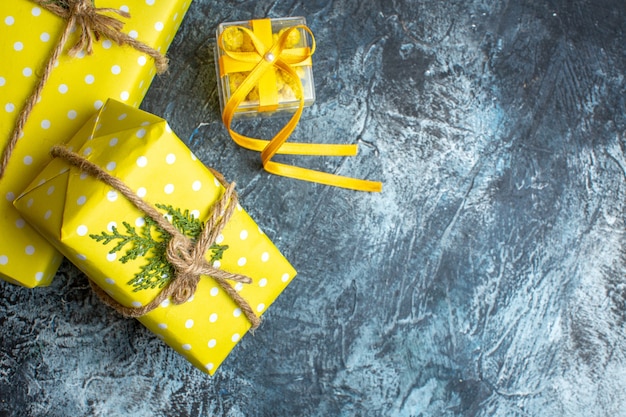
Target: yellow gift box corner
{"type": "Point", "coordinates": [75, 88]}
{"type": "Point", "coordinates": [142, 151]}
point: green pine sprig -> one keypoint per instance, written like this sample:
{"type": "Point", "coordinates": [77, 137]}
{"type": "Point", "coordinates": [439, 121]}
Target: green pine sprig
{"type": "Point", "coordinates": [150, 242]}
{"type": "Point", "coordinates": [183, 221]}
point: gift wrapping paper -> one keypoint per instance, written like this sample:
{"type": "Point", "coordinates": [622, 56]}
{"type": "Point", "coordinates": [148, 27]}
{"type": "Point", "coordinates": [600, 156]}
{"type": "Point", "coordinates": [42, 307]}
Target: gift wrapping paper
{"type": "Point", "coordinates": [77, 87]}
{"type": "Point", "coordinates": [140, 149]}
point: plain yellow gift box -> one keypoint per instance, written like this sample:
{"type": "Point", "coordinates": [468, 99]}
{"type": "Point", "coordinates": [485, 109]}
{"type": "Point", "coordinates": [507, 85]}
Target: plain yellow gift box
{"type": "Point", "coordinates": [76, 88]}
{"type": "Point", "coordinates": [69, 207]}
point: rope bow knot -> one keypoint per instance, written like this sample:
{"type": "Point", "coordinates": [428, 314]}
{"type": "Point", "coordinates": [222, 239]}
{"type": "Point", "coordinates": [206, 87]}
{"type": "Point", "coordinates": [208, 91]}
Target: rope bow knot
{"type": "Point", "coordinates": [181, 254]}
{"type": "Point", "coordinates": [93, 25]}
{"type": "Point", "coordinates": [186, 256]}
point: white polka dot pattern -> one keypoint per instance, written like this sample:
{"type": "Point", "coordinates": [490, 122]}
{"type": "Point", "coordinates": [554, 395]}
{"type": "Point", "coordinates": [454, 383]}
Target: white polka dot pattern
{"type": "Point", "coordinates": [76, 87]}
{"type": "Point", "coordinates": [160, 167]}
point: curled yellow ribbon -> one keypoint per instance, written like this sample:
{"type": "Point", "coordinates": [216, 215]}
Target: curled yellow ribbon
{"type": "Point", "coordinates": [260, 63]}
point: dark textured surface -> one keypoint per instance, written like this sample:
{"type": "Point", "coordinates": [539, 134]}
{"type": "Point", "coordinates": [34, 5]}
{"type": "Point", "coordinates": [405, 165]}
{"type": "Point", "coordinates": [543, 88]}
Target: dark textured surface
{"type": "Point", "coordinates": [487, 279]}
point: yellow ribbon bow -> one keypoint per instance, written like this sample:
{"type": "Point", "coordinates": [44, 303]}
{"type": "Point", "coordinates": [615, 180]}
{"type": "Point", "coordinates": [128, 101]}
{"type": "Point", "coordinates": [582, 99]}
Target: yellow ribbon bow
{"type": "Point", "coordinates": [260, 64]}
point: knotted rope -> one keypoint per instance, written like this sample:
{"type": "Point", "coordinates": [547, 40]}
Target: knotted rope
{"type": "Point", "coordinates": [187, 257]}
{"type": "Point", "coordinates": [92, 24]}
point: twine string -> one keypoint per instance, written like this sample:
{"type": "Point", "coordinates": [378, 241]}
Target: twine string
{"type": "Point", "coordinates": [187, 257]}
{"type": "Point", "coordinates": [92, 24]}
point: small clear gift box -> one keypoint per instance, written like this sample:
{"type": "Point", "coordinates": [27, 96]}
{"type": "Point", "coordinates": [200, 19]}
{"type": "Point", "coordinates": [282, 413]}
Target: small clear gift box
{"type": "Point", "coordinates": [276, 88]}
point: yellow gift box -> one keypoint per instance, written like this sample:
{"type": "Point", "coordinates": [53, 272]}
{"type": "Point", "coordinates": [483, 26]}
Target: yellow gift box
{"type": "Point", "coordinates": [75, 211]}
{"type": "Point", "coordinates": [76, 87]}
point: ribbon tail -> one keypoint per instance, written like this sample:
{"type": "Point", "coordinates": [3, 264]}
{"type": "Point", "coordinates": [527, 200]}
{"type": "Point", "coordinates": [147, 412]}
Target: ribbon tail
{"type": "Point", "coordinates": [296, 148]}
{"type": "Point", "coordinates": [322, 177]}
{"type": "Point", "coordinates": [303, 173]}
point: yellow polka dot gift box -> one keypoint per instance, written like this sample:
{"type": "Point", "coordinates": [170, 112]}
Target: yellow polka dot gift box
{"type": "Point", "coordinates": [47, 44]}
{"type": "Point", "coordinates": [127, 252]}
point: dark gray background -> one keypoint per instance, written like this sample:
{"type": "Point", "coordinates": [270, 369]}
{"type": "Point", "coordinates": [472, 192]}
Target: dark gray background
{"type": "Point", "coordinates": [487, 279]}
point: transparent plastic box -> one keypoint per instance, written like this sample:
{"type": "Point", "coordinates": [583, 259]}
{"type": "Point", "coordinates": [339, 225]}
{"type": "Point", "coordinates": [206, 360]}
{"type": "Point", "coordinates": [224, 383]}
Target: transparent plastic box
{"type": "Point", "coordinates": [229, 76]}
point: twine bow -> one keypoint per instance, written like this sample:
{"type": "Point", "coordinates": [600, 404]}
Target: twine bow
{"type": "Point", "coordinates": [187, 257]}
{"type": "Point", "coordinates": [264, 58]}
{"type": "Point", "coordinates": [93, 24]}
